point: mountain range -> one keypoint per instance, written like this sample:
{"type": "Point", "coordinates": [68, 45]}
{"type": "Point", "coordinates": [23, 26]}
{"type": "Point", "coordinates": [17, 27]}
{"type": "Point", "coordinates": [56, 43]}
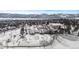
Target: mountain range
{"type": "Point", "coordinates": [8, 15]}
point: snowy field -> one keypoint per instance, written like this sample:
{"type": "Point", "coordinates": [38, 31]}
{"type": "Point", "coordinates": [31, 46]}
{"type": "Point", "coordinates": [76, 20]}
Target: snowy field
{"type": "Point", "coordinates": [13, 39]}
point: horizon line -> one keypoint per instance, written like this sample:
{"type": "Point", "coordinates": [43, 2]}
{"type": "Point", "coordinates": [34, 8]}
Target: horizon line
{"type": "Point", "coordinates": [40, 11]}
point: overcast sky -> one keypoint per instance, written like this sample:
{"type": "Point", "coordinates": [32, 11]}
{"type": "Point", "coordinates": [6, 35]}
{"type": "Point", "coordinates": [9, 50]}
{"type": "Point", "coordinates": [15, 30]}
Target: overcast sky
{"type": "Point", "coordinates": [40, 11]}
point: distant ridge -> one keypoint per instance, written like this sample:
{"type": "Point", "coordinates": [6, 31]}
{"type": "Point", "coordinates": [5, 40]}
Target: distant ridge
{"type": "Point", "coordinates": [8, 15]}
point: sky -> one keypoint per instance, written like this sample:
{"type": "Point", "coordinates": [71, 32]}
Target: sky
{"type": "Point", "coordinates": [40, 11]}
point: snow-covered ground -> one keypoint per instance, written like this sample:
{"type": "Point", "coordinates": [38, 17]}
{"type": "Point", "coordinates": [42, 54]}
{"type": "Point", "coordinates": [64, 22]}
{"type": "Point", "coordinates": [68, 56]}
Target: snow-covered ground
{"type": "Point", "coordinates": [12, 39]}
{"type": "Point", "coordinates": [66, 41]}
